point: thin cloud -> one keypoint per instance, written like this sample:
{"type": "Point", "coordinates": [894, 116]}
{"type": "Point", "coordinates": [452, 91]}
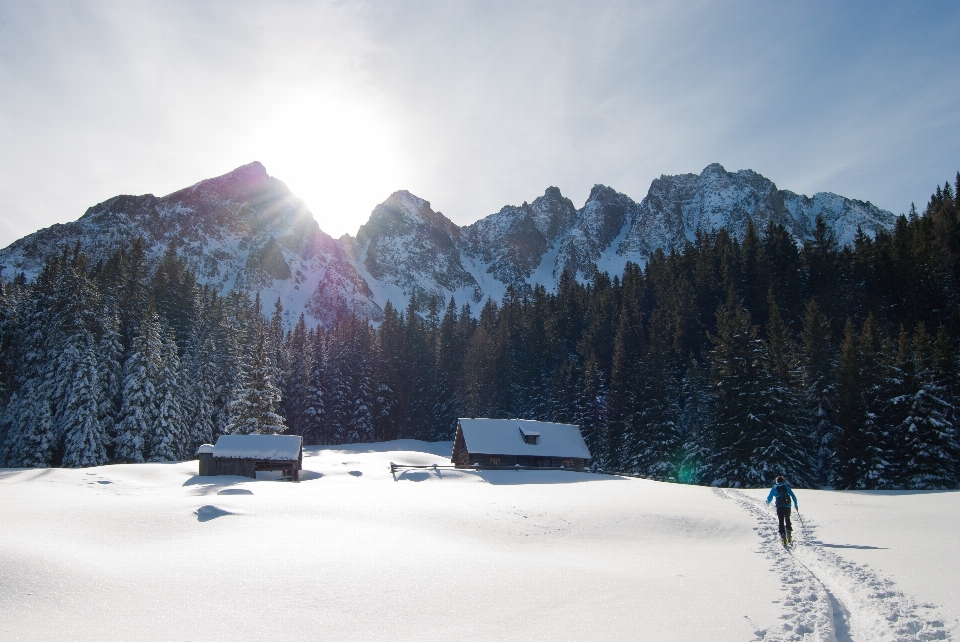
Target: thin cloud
{"type": "Point", "coordinates": [471, 105]}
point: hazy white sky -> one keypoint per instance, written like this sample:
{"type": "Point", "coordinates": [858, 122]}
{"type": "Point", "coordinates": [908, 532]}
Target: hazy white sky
{"type": "Point", "coordinates": [470, 105]}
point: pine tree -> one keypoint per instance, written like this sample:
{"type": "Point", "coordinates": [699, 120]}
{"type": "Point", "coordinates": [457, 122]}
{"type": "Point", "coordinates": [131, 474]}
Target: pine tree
{"type": "Point", "coordinates": [279, 355]}
{"type": "Point", "coordinates": [256, 400]}
{"type": "Point", "coordinates": [819, 387]}
{"type": "Point", "coordinates": [36, 442]}
{"type": "Point", "coordinates": [656, 421]}
{"type": "Point", "coordinates": [75, 391]}
{"type": "Point", "coordinates": [85, 439]}
{"type": "Point", "coordinates": [336, 389]}
{"type": "Point", "coordinates": [860, 459]}
{"type": "Point", "coordinates": [200, 392]}
{"type": "Point", "coordinates": [30, 429]}
{"type": "Point", "coordinates": [142, 373]}
{"type": "Point", "coordinates": [359, 422]}
{"type": "Point", "coordinates": [173, 289]}
{"type": "Point", "coordinates": [697, 437]}
{"type": "Point", "coordinates": [296, 384]}
{"type": "Point", "coordinates": [170, 433]}
{"type": "Point", "coordinates": [318, 425]}
{"type": "Point", "coordinates": [741, 457]}
{"type": "Point", "coordinates": [486, 367]}
{"type": "Point", "coordinates": [110, 359]}
{"type": "Point", "coordinates": [450, 351]}
{"type": "Point", "coordinates": [628, 347]}
{"type": "Point", "coordinates": [417, 377]}
{"type": "Point", "coordinates": [790, 433]}
{"type": "Point", "coordinates": [930, 434]}
{"type": "Point", "coordinates": [389, 398]}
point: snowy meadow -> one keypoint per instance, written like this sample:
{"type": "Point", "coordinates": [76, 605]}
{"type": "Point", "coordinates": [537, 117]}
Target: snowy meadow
{"type": "Point", "coordinates": [153, 551]}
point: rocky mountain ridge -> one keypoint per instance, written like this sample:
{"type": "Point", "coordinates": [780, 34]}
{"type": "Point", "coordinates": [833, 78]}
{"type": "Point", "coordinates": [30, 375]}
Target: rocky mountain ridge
{"type": "Point", "coordinates": [245, 230]}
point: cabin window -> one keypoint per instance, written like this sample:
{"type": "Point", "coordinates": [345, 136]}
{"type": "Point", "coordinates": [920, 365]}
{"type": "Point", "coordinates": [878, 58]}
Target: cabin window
{"type": "Point", "coordinates": [530, 436]}
{"type": "Point", "coordinates": [495, 461]}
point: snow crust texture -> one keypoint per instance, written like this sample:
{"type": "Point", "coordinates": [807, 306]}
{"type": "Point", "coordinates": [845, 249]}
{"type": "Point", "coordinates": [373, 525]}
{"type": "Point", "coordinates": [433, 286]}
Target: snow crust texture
{"type": "Point", "coordinates": [245, 230]}
{"type": "Point", "coordinates": [355, 552]}
{"type": "Point", "coordinates": [829, 598]}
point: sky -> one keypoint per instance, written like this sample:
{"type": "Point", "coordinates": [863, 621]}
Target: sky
{"type": "Point", "coordinates": [470, 105]}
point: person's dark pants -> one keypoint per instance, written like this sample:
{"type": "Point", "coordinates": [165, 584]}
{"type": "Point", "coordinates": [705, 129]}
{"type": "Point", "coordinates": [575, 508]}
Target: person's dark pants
{"type": "Point", "coordinates": [783, 515]}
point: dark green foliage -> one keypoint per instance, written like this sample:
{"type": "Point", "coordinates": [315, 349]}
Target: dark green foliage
{"type": "Point", "coordinates": [728, 362]}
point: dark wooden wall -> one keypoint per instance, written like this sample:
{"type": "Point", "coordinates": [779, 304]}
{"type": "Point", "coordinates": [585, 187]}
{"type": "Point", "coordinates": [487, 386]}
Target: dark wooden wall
{"type": "Point", "coordinates": [206, 464]}
{"type": "Point", "coordinates": [247, 467]}
{"type": "Point", "coordinates": [468, 460]}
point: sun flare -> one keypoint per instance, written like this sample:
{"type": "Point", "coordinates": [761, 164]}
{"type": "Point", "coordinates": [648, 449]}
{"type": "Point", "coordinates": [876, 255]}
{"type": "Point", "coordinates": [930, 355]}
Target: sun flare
{"type": "Point", "coordinates": [336, 149]}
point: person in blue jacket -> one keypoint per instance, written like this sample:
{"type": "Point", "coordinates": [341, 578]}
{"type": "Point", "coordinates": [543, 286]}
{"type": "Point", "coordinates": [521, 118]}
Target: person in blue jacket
{"type": "Point", "coordinates": [783, 493]}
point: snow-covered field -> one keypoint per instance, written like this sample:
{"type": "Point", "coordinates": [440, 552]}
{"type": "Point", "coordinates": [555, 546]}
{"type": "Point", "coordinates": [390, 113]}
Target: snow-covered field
{"type": "Point", "coordinates": [154, 552]}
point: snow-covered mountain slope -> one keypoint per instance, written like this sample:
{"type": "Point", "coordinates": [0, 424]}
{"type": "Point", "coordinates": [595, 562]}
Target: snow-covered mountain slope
{"type": "Point", "coordinates": [406, 248]}
{"type": "Point", "coordinates": [514, 240]}
{"type": "Point", "coordinates": [675, 206]}
{"type": "Point", "coordinates": [246, 230]}
{"type": "Point", "coordinates": [354, 552]}
{"type": "Point", "coordinates": [242, 230]}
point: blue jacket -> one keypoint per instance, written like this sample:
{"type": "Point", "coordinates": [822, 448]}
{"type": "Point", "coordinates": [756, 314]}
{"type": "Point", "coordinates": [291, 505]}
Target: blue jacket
{"type": "Point", "coordinates": [773, 493]}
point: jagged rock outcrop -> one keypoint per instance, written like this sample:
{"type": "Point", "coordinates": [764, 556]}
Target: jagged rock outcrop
{"type": "Point", "coordinates": [246, 230]}
{"type": "Point", "coordinates": [513, 241]}
{"type": "Point", "coordinates": [675, 206]}
{"type": "Point", "coordinates": [407, 247]}
{"type": "Point", "coordinates": [242, 230]}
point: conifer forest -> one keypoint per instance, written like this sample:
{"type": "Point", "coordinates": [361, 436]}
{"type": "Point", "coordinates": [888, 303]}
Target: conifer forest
{"type": "Point", "coordinates": [726, 363]}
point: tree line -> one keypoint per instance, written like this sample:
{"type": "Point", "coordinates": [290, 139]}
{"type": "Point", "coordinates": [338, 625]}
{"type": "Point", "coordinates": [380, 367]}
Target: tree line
{"type": "Point", "coordinates": [726, 362]}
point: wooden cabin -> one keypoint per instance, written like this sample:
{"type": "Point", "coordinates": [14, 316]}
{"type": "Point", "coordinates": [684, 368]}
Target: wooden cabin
{"type": "Point", "coordinates": [506, 443]}
{"type": "Point", "coordinates": [245, 455]}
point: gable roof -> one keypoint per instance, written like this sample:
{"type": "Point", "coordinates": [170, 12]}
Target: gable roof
{"type": "Point", "coordinates": [505, 437]}
{"type": "Point", "coordinates": [277, 447]}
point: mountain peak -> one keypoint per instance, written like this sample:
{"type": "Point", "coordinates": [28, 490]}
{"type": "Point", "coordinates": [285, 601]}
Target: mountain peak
{"type": "Point", "coordinates": [242, 180]}
{"type": "Point", "coordinates": [599, 191]}
{"type": "Point", "coordinates": [552, 192]}
{"type": "Point", "coordinates": [244, 229]}
{"type": "Point", "coordinates": [410, 202]}
{"type": "Point", "coordinates": [713, 169]}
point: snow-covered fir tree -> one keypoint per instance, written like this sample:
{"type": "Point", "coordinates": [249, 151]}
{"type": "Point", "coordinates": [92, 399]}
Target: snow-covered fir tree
{"type": "Point", "coordinates": [655, 424]}
{"type": "Point", "coordinates": [29, 437]}
{"type": "Point", "coordinates": [110, 370]}
{"type": "Point", "coordinates": [142, 378]}
{"type": "Point", "coordinates": [930, 439]}
{"type": "Point", "coordinates": [85, 438]}
{"type": "Point", "coordinates": [170, 433]}
{"type": "Point", "coordinates": [819, 390]}
{"type": "Point", "coordinates": [256, 399]}
{"type": "Point", "coordinates": [791, 439]}
{"type": "Point", "coordinates": [629, 358]}
{"type": "Point", "coordinates": [860, 459]}
{"type": "Point", "coordinates": [317, 425]}
{"type": "Point", "coordinates": [745, 453]}
{"type": "Point", "coordinates": [295, 386]}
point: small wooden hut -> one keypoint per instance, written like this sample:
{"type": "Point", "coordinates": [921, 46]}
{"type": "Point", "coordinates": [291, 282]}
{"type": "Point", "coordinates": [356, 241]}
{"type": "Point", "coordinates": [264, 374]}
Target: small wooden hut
{"type": "Point", "coordinates": [501, 443]}
{"type": "Point", "coordinates": [245, 455]}
{"type": "Point", "coordinates": [205, 455]}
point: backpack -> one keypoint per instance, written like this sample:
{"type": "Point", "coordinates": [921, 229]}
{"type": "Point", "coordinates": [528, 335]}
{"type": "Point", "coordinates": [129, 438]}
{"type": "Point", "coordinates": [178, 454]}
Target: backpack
{"type": "Point", "coordinates": [783, 496]}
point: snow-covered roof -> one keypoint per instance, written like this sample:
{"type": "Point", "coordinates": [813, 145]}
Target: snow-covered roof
{"type": "Point", "coordinates": [205, 448]}
{"type": "Point", "coordinates": [282, 447]}
{"type": "Point", "coordinates": [505, 437]}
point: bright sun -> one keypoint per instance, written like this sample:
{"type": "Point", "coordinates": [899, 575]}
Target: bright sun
{"type": "Point", "coordinates": [336, 149]}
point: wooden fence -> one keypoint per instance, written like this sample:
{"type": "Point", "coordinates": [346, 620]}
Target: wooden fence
{"type": "Point", "coordinates": [400, 467]}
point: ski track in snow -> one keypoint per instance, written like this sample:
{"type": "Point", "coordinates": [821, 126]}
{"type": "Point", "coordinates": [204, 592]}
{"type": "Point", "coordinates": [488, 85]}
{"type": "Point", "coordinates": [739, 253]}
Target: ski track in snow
{"type": "Point", "coordinates": [830, 599]}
